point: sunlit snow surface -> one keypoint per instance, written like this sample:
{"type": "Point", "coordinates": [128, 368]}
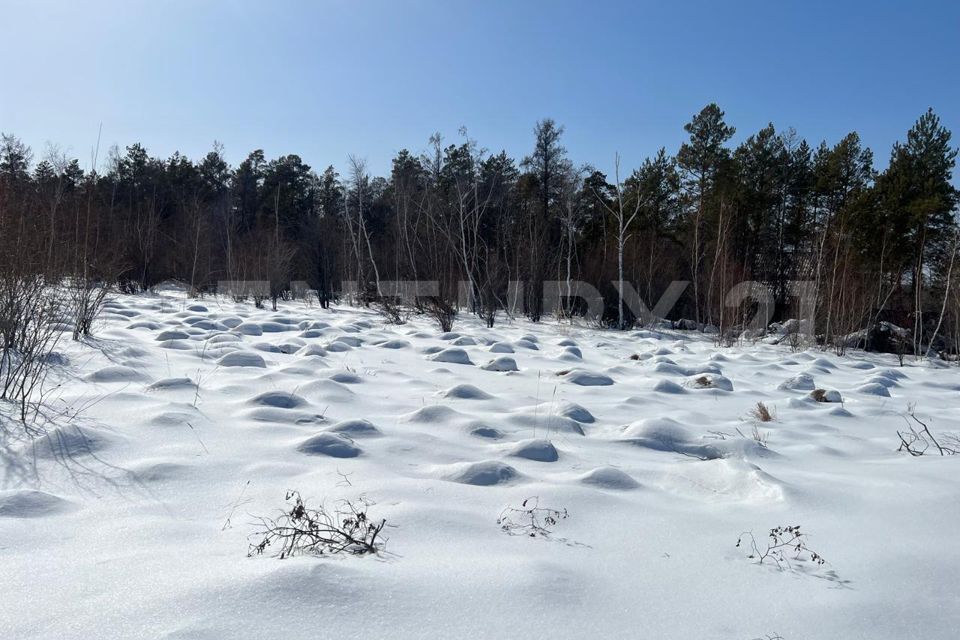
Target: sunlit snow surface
{"type": "Point", "coordinates": [184, 419]}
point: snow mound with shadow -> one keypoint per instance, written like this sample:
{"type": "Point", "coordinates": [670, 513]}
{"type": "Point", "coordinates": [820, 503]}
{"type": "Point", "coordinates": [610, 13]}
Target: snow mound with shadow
{"type": "Point", "coordinates": [665, 434]}
{"type": "Point", "coordinates": [452, 355]}
{"type": "Point", "coordinates": [278, 400]}
{"type": "Point", "coordinates": [242, 359]}
{"type": "Point", "coordinates": [172, 384]}
{"type": "Point", "coordinates": [609, 478]}
{"type": "Point", "coordinates": [466, 392]}
{"type": "Point", "coordinates": [355, 429]}
{"type": "Point", "coordinates": [537, 450]}
{"type": "Point", "coordinates": [586, 378]}
{"type": "Point", "coordinates": [482, 474]}
{"type": "Point", "coordinates": [503, 363]}
{"type": "Point", "coordinates": [329, 444]}
{"type": "Point", "coordinates": [29, 503]}
{"type": "Point", "coordinates": [116, 374]}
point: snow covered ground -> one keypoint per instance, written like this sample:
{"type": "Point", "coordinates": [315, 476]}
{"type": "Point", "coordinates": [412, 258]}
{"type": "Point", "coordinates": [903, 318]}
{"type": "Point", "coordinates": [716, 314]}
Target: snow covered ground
{"type": "Point", "coordinates": [193, 417]}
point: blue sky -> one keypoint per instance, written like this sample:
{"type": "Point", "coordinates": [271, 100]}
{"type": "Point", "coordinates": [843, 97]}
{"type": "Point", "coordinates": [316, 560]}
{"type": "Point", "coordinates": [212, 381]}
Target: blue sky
{"type": "Point", "coordinates": [325, 79]}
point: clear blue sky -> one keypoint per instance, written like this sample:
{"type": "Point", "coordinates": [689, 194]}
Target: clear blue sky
{"type": "Point", "coordinates": [324, 79]}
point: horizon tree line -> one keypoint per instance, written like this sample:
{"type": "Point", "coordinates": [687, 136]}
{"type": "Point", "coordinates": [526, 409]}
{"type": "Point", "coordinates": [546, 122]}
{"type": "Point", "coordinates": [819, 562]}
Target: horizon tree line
{"type": "Point", "coordinates": [878, 246]}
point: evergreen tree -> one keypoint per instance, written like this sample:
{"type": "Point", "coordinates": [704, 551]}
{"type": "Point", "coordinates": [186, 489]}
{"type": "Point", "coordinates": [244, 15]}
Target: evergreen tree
{"type": "Point", "coordinates": [701, 160]}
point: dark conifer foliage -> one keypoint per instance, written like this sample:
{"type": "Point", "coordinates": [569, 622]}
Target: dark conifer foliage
{"type": "Point", "coordinates": [491, 230]}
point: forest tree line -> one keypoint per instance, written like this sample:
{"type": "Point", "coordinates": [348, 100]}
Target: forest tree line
{"type": "Point", "coordinates": [878, 246]}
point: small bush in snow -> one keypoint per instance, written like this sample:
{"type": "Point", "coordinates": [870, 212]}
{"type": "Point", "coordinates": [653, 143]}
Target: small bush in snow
{"type": "Point", "coordinates": [785, 545]}
{"type": "Point", "coordinates": [762, 413]}
{"type": "Point", "coordinates": [305, 531]}
{"type": "Point", "coordinates": [530, 519]}
{"type": "Point", "coordinates": [392, 311]}
{"type": "Point", "coordinates": [441, 311]}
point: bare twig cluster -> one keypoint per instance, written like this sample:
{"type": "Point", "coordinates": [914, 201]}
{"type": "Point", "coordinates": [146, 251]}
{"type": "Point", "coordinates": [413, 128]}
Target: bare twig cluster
{"type": "Point", "coordinates": [307, 531]}
{"type": "Point", "coordinates": [31, 315]}
{"type": "Point", "coordinates": [530, 519]}
{"type": "Point", "coordinates": [917, 439]}
{"type": "Point", "coordinates": [785, 545]}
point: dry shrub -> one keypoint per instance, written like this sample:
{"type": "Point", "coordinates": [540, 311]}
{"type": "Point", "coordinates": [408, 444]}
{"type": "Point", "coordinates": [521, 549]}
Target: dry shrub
{"type": "Point", "coordinates": [530, 519]}
{"type": "Point", "coordinates": [305, 531]}
{"type": "Point", "coordinates": [442, 312]}
{"type": "Point", "coordinates": [762, 413]}
{"type": "Point", "coordinates": [785, 545]}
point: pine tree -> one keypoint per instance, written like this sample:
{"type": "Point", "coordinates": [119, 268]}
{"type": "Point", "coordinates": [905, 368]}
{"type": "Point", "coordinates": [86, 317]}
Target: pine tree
{"type": "Point", "coordinates": [701, 160]}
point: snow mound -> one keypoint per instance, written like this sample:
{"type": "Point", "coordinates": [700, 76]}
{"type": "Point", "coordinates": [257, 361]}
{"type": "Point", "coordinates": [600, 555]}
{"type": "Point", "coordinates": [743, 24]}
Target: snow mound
{"type": "Point", "coordinates": [266, 347]}
{"type": "Point", "coordinates": [799, 382]}
{"type": "Point", "coordinates": [290, 347]}
{"type": "Point", "coordinates": [355, 428]}
{"type": "Point", "coordinates": [874, 389]}
{"type": "Point", "coordinates": [665, 434]}
{"type": "Point", "coordinates": [882, 380]}
{"type": "Point", "coordinates": [350, 341]}
{"type": "Point", "coordinates": [144, 324]}
{"type": "Point", "coordinates": [668, 386]}
{"type": "Point", "coordinates": [326, 391]}
{"type": "Point", "coordinates": [571, 354]}
{"type": "Point", "coordinates": [329, 444]}
{"type": "Point", "coordinates": [172, 335]}
{"type": "Point", "coordinates": [727, 479]}
{"type": "Point", "coordinates": [346, 377]}
{"type": "Point", "coordinates": [503, 363]}
{"type": "Point", "coordinates": [248, 329]}
{"type": "Point", "coordinates": [176, 345]}
{"type": "Point", "coordinates": [483, 474]}
{"type": "Point", "coordinates": [278, 400]}
{"type": "Point", "coordinates": [172, 384]}
{"type": "Point", "coordinates": [609, 478]}
{"type": "Point", "coordinates": [486, 432]}
{"type": "Point", "coordinates": [825, 395]}
{"type": "Point", "coordinates": [586, 378]}
{"type": "Point", "coordinates": [274, 327]}
{"type": "Point", "coordinates": [241, 359]}
{"type": "Point", "coordinates": [452, 355]}
{"type": "Point", "coordinates": [433, 414]}
{"type": "Point", "coordinates": [116, 374]}
{"type": "Point", "coordinates": [69, 442]}
{"type": "Point", "coordinates": [576, 412]}
{"type": "Point", "coordinates": [537, 450]}
{"type": "Point", "coordinates": [501, 347]}
{"type": "Point", "coordinates": [893, 374]}
{"type": "Point", "coordinates": [540, 420]}
{"type": "Point", "coordinates": [220, 338]}
{"type": "Point", "coordinates": [709, 381]}
{"type": "Point", "coordinates": [467, 392]}
{"type": "Point", "coordinates": [312, 350]}
{"type": "Point", "coordinates": [29, 503]}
